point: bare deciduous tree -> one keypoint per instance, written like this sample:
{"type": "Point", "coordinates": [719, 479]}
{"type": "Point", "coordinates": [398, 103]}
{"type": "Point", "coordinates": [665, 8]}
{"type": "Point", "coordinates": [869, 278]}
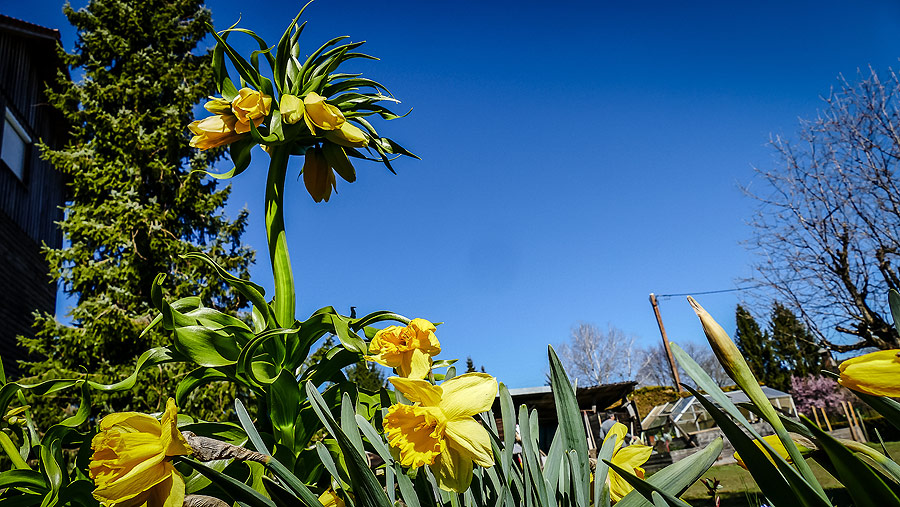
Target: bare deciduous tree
{"type": "Point", "coordinates": [592, 356]}
{"type": "Point", "coordinates": [828, 226]}
{"type": "Point", "coordinates": [658, 372]}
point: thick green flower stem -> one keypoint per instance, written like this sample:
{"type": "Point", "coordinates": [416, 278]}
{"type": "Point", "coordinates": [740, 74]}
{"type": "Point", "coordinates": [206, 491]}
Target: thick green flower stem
{"type": "Point", "coordinates": [278, 250]}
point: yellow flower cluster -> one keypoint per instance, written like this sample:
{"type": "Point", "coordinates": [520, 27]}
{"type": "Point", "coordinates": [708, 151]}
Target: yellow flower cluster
{"type": "Point", "coordinates": [438, 429]}
{"type": "Point", "coordinates": [231, 120]}
{"type": "Point", "coordinates": [131, 462]}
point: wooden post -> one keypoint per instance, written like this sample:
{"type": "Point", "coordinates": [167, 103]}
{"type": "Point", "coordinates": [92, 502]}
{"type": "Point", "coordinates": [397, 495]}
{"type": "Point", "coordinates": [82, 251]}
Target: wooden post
{"type": "Point", "coordinates": [860, 428]}
{"type": "Point", "coordinates": [824, 415]}
{"type": "Point", "coordinates": [662, 332]}
{"type": "Point", "coordinates": [816, 416]}
{"type": "Point", "coordinates": [849, 422]}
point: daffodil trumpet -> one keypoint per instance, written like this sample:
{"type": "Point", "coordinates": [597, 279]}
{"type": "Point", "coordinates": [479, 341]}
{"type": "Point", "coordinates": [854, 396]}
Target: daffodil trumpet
{"type": "Point", "coordinates": [439, 430]}
{"type": "Point", "coordinates": [407, 349]}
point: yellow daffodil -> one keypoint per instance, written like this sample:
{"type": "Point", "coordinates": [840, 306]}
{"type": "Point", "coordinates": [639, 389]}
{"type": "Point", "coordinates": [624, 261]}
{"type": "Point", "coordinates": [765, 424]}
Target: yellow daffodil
{"type": "Point", "coordinates": [218, 105]}
{"type": "Point", "coordinates": [629, 458]}
{"type": "Point", "coordinates": [291, 108]}
{"type": "Point", "coordinates": [214, 131]}
{"type": "Point", "coordinates": [330, 499]}
{"type": "Point", "coordinates": [439, 429]}
{"type": "Point", "coordinates": [348, 135]}
{"type": "Point", "coordinates": [318, 113]}
{"type": "Point", "coordinates": [877, 373]}
{"type": "Point", "coordinates": [318, 175]}
{"type": "Point", "coordinates": [407, 349]}
{"type": "Point", "coordinates": [131, 466]}
{"type": "Point", "coordinates": [802, 443]}
{"type": "Point", "coordinates": [250, 106]}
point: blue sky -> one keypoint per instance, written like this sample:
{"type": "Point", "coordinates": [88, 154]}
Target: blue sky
{"type": "Point", "coordinates": [576, 156]}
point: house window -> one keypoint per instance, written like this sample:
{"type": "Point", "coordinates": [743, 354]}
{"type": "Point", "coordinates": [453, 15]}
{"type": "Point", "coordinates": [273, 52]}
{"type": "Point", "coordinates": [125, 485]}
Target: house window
{"type": "Point", "coordinates": [14, 150]}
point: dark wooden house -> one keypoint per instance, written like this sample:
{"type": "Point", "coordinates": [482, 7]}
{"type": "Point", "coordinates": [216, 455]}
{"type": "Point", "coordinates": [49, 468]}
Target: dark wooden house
{"type": "Point", "coordinates": [596, 404]}
{"type": "Point", "coordinates": [31, 191]}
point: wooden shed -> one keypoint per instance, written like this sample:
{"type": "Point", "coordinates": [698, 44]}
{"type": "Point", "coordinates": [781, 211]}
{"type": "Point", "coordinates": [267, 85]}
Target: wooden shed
{"type": "Point", "coordinates": [32, 193]}
{"type": "Point", "coordinates": [595, 402]}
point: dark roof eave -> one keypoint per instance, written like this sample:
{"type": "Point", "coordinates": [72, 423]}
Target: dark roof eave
{"type": "Point", "coordinates": [21, 27]}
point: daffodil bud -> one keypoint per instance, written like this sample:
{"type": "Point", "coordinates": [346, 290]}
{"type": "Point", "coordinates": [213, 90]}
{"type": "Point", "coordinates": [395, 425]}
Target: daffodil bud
{"type": "Point", "coordinates": [348, 135]}
{"type": "Point", "coordinates": [318, 113]}
{"type": "Point", "coordinates": [876, 373]}
{"type": "Point", "coordinates": [291, 109]}
{"type": "Point", "coordinates": [317, 175]}
{"type": "Point", "coordinates": [726, 351]}
{"type": "Point", "coordinates": [218, 105]}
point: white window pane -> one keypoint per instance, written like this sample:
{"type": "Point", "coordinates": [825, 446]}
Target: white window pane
{"type": "Point", "coordinates": [15, 143]}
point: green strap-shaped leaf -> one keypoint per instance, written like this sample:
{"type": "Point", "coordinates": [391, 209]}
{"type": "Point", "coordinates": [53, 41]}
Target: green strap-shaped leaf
{"type": "Point", "coordinates": [646, 489]}
{"type": "Point", "coordinates": [348, 339]}
{"type": "Point", "coordinates": [337, 158]}
{"type": "Point", "coordinates": [349, 426]}
{"type": "Point", "coordinates": [368, 491]}
{"type": "Point", "coordinates": [246, 71]}
{"type": "Point", "coordinates": [283, 397]}
{"type": "Point", "coordinates": [894, 303]}
{"type": "Point", "coordinates": [407, 492]}
{"type": "Point", "coordinates": [282, 54]}
{"type": "Point", "coordinates": [569, 417]}
{"type": "Point", "coordinates": [772, 483]}
{"type": "Point", "coordinates": [10, 449]}
{"type": "Point", "coordinates": [236, 490]}
{"type": "Point", "coordinates": [864, 485]}
{"type": "Point", "coordinates": [23, 479]}
{"type": "Point", "coordinates": [253, 292]}
{"type": "Point", "coordinates": [375, 439]}
{"type": "Point", "coordinates": [508, 414]}
{"type": "Point", "coordinates": [678, 477]}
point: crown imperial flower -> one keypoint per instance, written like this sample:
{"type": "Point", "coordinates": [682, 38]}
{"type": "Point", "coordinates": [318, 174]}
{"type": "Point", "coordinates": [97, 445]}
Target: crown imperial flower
{"type": "Point", "coordinates": [439, 430]}
{"type": "Point", "coordinates": [321, 114]}
{"type": "Point", "coordinates": [131, 462]}
{"type": "Point", "coordinates": [214, 131]}
{"type": "Point", "coordinates": [250, 106]}
{"type": "Point", "coordinates": [291, 108]}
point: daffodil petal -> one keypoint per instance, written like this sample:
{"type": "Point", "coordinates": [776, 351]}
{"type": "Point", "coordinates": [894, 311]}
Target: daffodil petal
{"type": "Point", "coordinates": [470, 438]}
{"type": "Point", "coordinates": [172, 440]}
{"type": "Point", "coordinates": [137, 481]}
{"type": "Point", "coordinates": [876, 373]}
{"type": "Point", "coordinates": [169, 493]}
{"type": "Point", "coordinates": [468, 395]}
{"type": "Point", "coordinates": [131, 421]}
{"type": "Point", "coordinates": [419, 364]}
{"type": "Point", "coordinates": [453, 471]}
{"type": "Point", "coordinates": [618, 487]}
{"type": "Point", "coordinates": [632, 456]}
{"type": "Point", "coordinates": [418, 390]}
{"type": "Point", "coordinates": [618, 431]}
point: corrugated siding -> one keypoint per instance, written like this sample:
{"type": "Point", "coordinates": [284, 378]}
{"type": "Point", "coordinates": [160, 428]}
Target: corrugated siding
{"type": "Point", "coordinates": [34, 204]}
{"type": "Point", "coordinates": [29, 208]}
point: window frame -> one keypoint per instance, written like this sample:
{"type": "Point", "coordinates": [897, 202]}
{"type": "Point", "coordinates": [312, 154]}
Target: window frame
{"type": "Point", "coordinates": [11, 117]}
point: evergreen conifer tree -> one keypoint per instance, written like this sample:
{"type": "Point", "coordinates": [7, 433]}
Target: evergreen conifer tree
{"type": "Point", "coordinates": [756, 346]}
{"type": "Point", "coordinates": [133, 204]}
{"type": "Point", "coordinates": [786, 349]}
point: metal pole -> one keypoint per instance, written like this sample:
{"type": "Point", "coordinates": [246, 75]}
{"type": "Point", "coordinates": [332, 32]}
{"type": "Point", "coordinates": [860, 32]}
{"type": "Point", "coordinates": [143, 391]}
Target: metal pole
{"type": "Point", "coordinates": [665, 340]}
